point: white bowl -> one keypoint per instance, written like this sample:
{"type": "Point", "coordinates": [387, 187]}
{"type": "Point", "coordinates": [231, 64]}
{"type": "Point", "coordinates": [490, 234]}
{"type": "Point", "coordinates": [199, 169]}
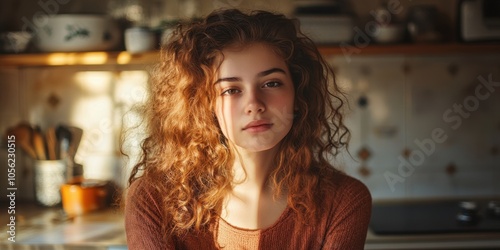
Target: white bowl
{"type": "Point", "coordinates": [74, 32]}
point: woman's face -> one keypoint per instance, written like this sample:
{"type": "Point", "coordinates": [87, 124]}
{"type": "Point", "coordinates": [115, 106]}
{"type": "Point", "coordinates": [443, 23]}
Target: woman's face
{"type": "Point", "coordinates": [255, 97]}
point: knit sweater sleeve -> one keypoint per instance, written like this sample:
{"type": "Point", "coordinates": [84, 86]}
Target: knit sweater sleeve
{"type": "Point", "coordinates": [350, 216]}
{"type": "Point", "coordinates": [143, 219]}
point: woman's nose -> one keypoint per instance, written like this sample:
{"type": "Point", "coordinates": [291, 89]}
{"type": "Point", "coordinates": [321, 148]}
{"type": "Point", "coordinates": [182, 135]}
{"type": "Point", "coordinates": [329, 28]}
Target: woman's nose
{"type": "Point", "coordinates": [255, 103]}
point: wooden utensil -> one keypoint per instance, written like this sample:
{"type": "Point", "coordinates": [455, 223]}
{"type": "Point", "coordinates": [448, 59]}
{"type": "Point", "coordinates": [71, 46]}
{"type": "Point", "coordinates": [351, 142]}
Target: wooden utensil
{"type": "Point", "coordinates": [23, 133]}
{"type": "Point", "coordinates": [39, 144]}
{"type": "Point", "coordinates": [50, 136]}
{"type": "Point", "coordinates": [76, 137]}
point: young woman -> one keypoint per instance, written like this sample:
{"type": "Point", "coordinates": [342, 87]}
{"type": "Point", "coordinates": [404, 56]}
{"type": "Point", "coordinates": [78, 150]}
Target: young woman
{"type": "Point", "coordinates": [243, 117]}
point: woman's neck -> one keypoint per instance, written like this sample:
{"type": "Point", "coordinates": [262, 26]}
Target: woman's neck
{"type": "Point", "coordinates": [252, 203]}
{"type": "Point", "coordinates": [251, 171]}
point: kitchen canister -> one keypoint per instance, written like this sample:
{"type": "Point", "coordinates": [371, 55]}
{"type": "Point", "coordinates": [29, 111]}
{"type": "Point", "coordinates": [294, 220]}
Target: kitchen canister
{"type": "Point", "coordinates": [139, 39]}
{"type": "Point", "coordinates": [49, 176]}
{"type": "Point", "coordinates": [83, 196]}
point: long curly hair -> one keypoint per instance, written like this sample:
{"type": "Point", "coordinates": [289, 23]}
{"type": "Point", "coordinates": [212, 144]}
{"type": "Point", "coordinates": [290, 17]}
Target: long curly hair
{"type": "Point", "coordinates": [184, 156]}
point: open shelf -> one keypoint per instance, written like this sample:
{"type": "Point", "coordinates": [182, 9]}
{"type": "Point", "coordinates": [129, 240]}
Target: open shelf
{"type": "Point", "coordinates": [123, 57]}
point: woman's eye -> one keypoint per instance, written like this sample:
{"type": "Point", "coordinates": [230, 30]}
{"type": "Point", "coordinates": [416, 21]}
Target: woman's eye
{"type": "Point", "coordinates": [230, 92]}
{"type": "Point", "coordinates": [272, 84]}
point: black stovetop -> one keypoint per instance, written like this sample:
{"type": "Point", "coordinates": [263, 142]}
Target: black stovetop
{"type": "Point", "coordinates": [430, 217]}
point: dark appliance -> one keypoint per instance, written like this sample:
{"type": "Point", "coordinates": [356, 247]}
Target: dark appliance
{"type": "Point", "coordinates": [431, 217]}
{"type": "Point", "coordinates": [479, 20]}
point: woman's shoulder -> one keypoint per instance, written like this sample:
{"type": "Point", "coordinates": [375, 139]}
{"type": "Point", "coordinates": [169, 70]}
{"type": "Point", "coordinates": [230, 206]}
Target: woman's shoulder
{"type": "Point", "coordinates": [142, 192]}
{"type": "Point", "coordinates": [340, 187]}
{"type": "Point", "coordinates": [138, 187]}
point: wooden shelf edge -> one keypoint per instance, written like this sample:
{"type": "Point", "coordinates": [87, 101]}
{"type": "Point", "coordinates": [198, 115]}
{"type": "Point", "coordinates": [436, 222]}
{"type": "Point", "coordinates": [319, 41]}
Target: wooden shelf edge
{"type": "Point", "coordinates": [79, 58]}
{"type": "Point", "coordinates": [411, 49]}
{"type": "Point", "coordinates": [151, 57]}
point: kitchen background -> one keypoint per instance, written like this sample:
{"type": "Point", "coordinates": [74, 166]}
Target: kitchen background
{"type": "Point", "coordinates": [423, 125]}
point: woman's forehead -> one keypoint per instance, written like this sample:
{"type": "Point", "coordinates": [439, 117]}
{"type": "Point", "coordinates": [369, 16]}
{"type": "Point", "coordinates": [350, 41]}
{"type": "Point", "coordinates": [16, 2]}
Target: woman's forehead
{"type": "Point", "coordinates": [258, 56]}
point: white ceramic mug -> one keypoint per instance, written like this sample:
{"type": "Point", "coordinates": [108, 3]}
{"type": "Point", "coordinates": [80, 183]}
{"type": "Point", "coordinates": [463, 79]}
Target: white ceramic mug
{"type": "Point", "coordinates": [49, 176]}
{"type": "Point", "coordinates": [139, 39]}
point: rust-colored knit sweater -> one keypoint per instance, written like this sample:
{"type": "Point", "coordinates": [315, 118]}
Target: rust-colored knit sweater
{"type": "Point", "coordinates": [346, 210]}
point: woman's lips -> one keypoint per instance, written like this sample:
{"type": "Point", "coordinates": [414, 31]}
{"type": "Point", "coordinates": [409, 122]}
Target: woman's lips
{"type": "Point", "coordinates": [258, 126]}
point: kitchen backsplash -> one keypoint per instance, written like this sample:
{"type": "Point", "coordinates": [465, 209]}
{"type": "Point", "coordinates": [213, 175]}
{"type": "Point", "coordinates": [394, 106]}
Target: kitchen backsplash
{"type": "Point", "coordinates": [421, 126]}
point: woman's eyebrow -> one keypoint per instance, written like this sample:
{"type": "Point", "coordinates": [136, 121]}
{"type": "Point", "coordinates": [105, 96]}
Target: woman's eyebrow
{"type": "Point", "coordinates": [261, 74]}
{"type": "Point", "coordinates": [228, 79]}
{"type": "Point", "coordinates": [270, 71]}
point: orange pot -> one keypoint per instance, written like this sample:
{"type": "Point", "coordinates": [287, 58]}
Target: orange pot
{"type": "Point", "coordinates": [84, 196]}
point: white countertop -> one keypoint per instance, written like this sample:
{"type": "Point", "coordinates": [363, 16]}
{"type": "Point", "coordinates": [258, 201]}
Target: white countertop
{"type": "Point", "coordinates": [37, 226]}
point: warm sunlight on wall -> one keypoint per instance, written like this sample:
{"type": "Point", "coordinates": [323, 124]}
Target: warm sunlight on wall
{"type": "Point", "coordinates": [101, 101]}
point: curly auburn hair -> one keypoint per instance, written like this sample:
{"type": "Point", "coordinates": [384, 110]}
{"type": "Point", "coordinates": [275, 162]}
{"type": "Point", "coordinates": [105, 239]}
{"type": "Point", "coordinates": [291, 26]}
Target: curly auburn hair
{"type": "Point", "coordinates": [184, 156]}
